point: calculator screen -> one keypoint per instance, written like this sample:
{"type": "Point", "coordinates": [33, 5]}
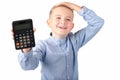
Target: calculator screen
{"type": "Point", "coordinates": [22, 26]}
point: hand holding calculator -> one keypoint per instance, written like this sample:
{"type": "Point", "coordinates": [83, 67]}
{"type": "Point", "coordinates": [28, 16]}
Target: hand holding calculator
{"type": "Point", "coordinates": [23, 33]}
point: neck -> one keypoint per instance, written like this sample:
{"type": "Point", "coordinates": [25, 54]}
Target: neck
{"type": "Point", "coordinates": [58, 36]}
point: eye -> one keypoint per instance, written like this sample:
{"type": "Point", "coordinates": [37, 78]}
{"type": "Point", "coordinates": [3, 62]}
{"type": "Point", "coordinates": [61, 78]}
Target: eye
{"type": "Point", "coordinates": [58, 17]}
{"type": "Point", "coordinates": [68, 19]}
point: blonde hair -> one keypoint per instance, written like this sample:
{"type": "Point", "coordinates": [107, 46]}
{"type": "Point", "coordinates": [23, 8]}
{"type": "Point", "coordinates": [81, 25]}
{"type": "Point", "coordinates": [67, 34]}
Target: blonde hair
{"type": "Point", "coordinates": [56, 6]}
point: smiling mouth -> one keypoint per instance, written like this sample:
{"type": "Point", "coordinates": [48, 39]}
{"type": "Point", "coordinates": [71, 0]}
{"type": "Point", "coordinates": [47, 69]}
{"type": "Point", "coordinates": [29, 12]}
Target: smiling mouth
{"type": "Point", "coordinates": [62, 27]}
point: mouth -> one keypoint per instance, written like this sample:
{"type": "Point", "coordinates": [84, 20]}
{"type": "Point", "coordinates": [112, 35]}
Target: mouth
{"type": "Point", "coordinates": [62, 27]}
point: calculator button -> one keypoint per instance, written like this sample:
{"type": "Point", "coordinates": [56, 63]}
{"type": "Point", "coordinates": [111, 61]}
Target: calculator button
{"type": "Point", "coordinates": [17, 44]}
{"type": "Point", "coordinates": [28, 39]}
{"type": "Point", "coordinates": [25, 45]}
{"type": "Point", "coordinates": [20, 37]}
{"type": "Point", "coordinates": [21, 41]}
{"type": "Point", "coordinates": [23, 34]}
{"type": "Point", "coordinates": [27, 33]}
{"type": "Point", "coordinates": [16, 35]}
{"type": "Point", "coordinates": [21, 46]}
{"type": "Point", "coordinates": [28, 42]}
{"type": "Point", "coordinates": [24, 40]}
{"type": "Point", "coordinates": [20, 34]}
{"type": "Point", "coordinates": [17, 47]}
{"type": "Point", "coordinates": [27, 36]}
{"type": "Point", "coordinates": [24, 37]}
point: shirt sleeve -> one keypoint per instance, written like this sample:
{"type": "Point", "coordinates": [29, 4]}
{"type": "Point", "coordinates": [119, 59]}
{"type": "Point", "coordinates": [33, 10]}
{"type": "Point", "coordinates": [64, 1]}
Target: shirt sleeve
{"type": "Point", "coordinates": [94, 22]}
{"type": "Point", "coordinates": [30, 60]}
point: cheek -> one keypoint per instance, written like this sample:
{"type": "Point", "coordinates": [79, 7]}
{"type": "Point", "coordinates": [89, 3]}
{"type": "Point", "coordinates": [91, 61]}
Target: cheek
{"type": "Point", "coordinates": [71, 26]}
{"type": "Point", "coordinates": [53, 23]}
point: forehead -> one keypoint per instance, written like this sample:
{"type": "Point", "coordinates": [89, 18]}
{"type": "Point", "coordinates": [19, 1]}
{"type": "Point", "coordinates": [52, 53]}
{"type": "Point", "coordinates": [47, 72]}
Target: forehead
{"type": "Point", "coordinates": [59, 7]}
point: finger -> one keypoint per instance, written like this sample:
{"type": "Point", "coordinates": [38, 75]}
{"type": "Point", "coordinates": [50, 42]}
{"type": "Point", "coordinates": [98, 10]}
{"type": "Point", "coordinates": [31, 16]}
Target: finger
{"type": "Point", "coordinates": [12, 33]}
{"type": "Point", "coordinates": [34, 29]}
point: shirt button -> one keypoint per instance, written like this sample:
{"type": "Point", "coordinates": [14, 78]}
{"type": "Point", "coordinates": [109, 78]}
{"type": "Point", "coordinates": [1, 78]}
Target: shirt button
{"type": "Point", "coordinates": [68, 78]}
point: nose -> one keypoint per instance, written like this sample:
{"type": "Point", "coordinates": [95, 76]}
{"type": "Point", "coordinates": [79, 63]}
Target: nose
{"type": "Point", "coordinates": [62, 21]}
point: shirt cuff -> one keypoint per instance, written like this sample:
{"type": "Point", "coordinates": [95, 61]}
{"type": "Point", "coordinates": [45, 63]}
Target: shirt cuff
{"type": "Point", "coordinates": [26, 54]}
{"type": "Point", "coordinates": [83, 11]}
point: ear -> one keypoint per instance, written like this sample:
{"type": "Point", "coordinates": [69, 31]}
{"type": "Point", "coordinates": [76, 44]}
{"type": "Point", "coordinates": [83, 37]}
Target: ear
{"type": "Point", "coordinates": [48, 22]}
{"type": "Point", "coordinates": [73, 25]}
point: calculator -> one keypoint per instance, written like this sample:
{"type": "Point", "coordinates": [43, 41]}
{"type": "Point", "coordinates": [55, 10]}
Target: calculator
{"type": "Point", "coordinates": [23, 33]}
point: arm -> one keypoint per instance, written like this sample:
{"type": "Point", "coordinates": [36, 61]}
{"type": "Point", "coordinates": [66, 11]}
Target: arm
{"type": "Point", "coordinates": [29, 58]}
{"type": "Point", "coordinates": [95, 23]}
{"type": "Point", "coordinates": [27, 61]}
{"type": "Point", "coordinates": [25, 58]}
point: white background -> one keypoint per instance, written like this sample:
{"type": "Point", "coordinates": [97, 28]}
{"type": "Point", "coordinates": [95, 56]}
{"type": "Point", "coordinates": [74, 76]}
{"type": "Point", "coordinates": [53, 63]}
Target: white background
{"type": "Point", "coordinates": [99, 59]}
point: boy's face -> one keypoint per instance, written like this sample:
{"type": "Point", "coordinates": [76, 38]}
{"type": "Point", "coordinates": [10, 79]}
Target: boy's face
{"type": "Point", "coordinates": [61, 22]}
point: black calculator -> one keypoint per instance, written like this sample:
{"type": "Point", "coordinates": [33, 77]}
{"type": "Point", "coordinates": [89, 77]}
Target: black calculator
{"type": "Point", "coordinates": [23, 33]}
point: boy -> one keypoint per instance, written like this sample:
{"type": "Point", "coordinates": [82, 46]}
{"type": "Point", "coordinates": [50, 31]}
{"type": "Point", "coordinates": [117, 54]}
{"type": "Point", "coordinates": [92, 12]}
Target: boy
{"type": "Point", "coordinates": [58, 53]}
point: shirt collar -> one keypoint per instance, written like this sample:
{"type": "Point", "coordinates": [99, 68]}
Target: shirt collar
{"type": "Point", "coordinates": [58, 41]}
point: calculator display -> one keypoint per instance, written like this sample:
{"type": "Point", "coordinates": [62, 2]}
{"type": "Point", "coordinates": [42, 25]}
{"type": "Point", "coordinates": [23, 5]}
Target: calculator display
{"type": "Point", "coordinates": [22, 26]}
{"type": "Point", "coordinates": [23, 34]}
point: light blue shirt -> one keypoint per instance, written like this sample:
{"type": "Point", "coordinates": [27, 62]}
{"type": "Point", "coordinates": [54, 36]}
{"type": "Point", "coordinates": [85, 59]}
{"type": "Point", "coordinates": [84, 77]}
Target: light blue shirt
{"type": "Point", "coordinates": [59, 56]}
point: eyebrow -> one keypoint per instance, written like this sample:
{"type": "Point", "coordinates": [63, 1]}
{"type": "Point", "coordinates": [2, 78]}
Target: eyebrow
{"type": "Point", "coordinates": [66, 16]}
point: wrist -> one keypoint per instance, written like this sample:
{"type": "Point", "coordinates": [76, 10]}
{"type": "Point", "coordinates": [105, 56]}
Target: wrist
{"type": "Point", "coordinates": [26, 50]}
